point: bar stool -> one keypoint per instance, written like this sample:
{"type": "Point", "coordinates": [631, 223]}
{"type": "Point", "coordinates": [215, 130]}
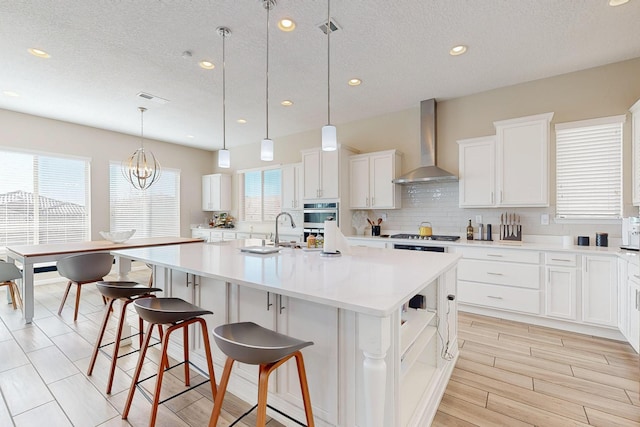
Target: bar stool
{"type": "Point", "coordinates": [126, 293]}
{"type": "Point", "coordinates": [249, 343]}
{"type": "Point", "coordinates": [9, 273]}
{"type": "Point", "coordinates": [179, 314]}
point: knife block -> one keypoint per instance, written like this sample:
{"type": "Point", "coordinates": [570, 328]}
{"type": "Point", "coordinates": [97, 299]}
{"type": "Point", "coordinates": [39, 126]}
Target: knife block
{"type": "Point", "coordinates": [510, 233]}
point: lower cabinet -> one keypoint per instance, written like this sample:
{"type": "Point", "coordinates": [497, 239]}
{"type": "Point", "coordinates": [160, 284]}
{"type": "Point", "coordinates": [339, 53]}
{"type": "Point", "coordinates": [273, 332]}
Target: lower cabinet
{"type": "Point", "coordinates": [561, 284]}
{"type": "Point", "coordinates": [599, 290]}
{"type": "Point", "coordinates": [629, 289]}
{"type": "Point", "coordinates": [303, 320]}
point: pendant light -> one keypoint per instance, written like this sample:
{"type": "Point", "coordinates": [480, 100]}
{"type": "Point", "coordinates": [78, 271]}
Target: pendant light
{"type": "Point", "coordinates": [329, 137]}
{"type": "Point", "coordinates": [266, 148]}
{"type": "Point", "coordinates": [142, 168]}
{"type": "Point", "coordinates": [224, 156]}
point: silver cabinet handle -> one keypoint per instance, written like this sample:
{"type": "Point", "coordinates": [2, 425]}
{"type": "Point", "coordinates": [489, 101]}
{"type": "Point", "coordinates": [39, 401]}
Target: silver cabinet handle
{"type": "Point", "coordinates": [269, 301]}
{"type": "Point", "coordinates": [558, 259]}
{"type": "Point", "coordinates": [493, 297]}
{"type": "Point", "coordinates": [501, 196]}
{"type": "Point", "coordinates": [636, 276]}
{"type": "Point", "coordinates": [492, 197]}
{"type": "Point", "coordinates": [495, 255]}
{"type": "Point", "coordinates": [495, 274]}
{"type": "Point", "coordinates": [637, 300]}
{"type": "Point", "coordinates": [373, 201]}
{"type": "Point", "coordinates": [282, 307]}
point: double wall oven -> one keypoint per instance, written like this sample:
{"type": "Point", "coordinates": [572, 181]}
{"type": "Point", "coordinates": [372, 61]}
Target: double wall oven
{"type": "Point", "coordinates": [315, 214]}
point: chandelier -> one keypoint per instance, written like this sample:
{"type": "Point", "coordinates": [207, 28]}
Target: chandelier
{"type": "Point", "coordinates": [142, 168]}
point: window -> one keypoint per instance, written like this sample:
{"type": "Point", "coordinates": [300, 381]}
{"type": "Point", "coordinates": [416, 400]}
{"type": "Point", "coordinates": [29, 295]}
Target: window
{"type": "Point", "coordinates": [44, 198]}
{"type": "Point", "coordinates": [154, 212]}
{"type": "Point", "coordinates": [260, 192]}
{"type": "Point", "coordinates": [589, 169]}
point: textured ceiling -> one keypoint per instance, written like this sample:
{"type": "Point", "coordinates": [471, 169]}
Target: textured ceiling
{"type": "Point", "coordinates": [103, 52]}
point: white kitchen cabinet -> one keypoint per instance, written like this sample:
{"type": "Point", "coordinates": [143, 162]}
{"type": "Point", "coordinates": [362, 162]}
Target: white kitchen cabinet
{"type": "Point", "coordinates": [561, 285]}
{"type": "Point", "coordinates": [292, 182]}
{"type": "Point", "coordinates": [325, 173]}
{"type": "Point", "coordinates": [510, 169]}
{"type": "Point", "coordinates": [635, 147]}
{"type": "Point", "coordinates": [216, 192]}
{"type": "Point", "coordinates": [522, 166]}
{"type": "Point", "coordinates": [370, 180]}
{"type": "Point", "coordinates": [300, 319]}
{"type": "Point", "coordinates": [629, 289]}
{"type": "Point", "coordinates": [476, 180]}
{"type": "Point", "coordinates": [599, 290]}
{"type": "Point", "coordinates": [212, 294]}
{"type": "Point", "coordinates": [203, 234]}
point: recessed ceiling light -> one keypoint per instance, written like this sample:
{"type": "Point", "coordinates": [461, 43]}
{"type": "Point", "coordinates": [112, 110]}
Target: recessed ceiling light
{"type": "Point", "coordinates": [241, 121]}
{"type": "Point", "coordinates": [287, 103]}
{"type": "Point", "coordinates": [10, 93]}
{"type": "Point", "coordinates": [207, 65]}
{"type": "Point", "coordinates": [286, 24]}
{"type": "Point", "coordinates": [38, 52]}
{"type": "Point", "coordinates": [458, 50]}
{"type": "Point", "coordinates": [190, 136]}
{"type": "Point", "coordinates": [617, 2]}
{"type": "Point", "coordinates": [354, 82]}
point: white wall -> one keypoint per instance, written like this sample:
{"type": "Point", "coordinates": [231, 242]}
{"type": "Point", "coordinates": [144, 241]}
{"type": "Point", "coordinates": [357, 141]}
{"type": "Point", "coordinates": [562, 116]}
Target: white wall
{"type": "Point", "coordinates": [24, 131]}
{"type": "Point", "coordinates": [602, 91]}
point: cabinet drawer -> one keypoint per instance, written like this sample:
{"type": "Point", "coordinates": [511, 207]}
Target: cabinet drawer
{"type": "Point", "coordinates": [528, 257]}
{"type": "Point", "coordinates": [561, 258]}
{"type": "Point", "coordinates": [502, 297]}
{"type": "Point", "coordinates": [500, 273]}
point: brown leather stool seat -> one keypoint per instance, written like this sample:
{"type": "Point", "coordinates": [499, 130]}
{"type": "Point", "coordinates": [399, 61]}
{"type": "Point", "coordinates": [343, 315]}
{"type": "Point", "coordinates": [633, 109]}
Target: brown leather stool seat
{"type": "Point", "coordinates": [249, 343]}
{"type": "Point", "coordinates": [177, 314]}
{"type": "Point", "coordinates": [125, 292]}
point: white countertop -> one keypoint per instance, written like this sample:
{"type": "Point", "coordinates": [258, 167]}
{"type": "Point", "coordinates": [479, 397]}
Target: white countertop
{"type": "Point", "coordinates": [539, 246]}
{"type": "Point", "coordinates": [369, 280]}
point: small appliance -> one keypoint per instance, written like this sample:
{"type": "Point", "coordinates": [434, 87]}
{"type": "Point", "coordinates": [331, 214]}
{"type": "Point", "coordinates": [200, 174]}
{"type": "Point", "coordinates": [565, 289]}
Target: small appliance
{"type": "Point", "coordinates": [631, 233]}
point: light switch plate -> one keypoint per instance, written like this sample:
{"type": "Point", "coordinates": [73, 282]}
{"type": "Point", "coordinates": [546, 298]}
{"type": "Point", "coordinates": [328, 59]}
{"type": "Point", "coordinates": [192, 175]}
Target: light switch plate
{"type": "Point", "coordinates": [478, 219]}
{"type": "Point", "coordinates": [544, 219]}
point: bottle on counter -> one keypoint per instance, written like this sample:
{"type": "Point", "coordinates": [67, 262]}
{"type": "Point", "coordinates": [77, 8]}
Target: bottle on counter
{"type": "Point", "coordinates": [311, 241]}
{"type": "Point", "coordinates": [319, 241]}
{"type": "Point", "coordinates": [469, 231]}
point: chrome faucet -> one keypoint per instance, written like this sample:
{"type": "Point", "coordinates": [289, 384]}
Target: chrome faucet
{"type": "Point", "coordinates": [276, 240]}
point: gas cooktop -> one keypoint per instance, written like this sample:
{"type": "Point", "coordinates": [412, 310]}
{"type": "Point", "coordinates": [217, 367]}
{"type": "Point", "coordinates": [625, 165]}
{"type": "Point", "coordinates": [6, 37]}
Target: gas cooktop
{"type": "Point", "coordinates": [419, 237]}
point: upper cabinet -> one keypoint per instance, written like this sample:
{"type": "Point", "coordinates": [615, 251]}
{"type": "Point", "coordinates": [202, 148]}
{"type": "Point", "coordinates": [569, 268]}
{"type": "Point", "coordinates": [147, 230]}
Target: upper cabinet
{"type": "Point", "coordinates": [325, 173]}
{"type": "Point", "coordinates": [370, 180]}
{"type": "Point", "coordinates": [510, 169]}
{"type": "Point", "coordinates": [292, 186]}
{"type": "Point", "coordinates": [216, 192]}
{"type": "Point", "coordinates": [635, 144]}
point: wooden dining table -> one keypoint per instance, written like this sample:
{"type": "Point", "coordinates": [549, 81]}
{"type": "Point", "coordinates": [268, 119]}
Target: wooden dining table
{"type": "Point", "coordinates": [27, 256]}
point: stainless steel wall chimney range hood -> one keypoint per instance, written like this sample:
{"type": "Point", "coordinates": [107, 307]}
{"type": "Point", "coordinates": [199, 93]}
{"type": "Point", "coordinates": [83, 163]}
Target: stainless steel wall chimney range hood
{"type": "Point", "coordinates": [428, 171]}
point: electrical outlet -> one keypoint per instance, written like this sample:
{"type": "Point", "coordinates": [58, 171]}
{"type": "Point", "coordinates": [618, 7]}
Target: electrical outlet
{"type": "Point", "coordinates": [478, 219]}
{"type": "Point", "coordinates": [383, 215]}
{"type": "Point", "coordinates": [544, 219]}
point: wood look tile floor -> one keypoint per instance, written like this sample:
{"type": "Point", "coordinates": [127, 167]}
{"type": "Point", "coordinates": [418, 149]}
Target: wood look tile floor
{"type": "Point", "coordinates": [508, 374]}
{"type": "Point", "coordinates": [515, 374]}
{"type": "Point", "coordinates": [43, 367]}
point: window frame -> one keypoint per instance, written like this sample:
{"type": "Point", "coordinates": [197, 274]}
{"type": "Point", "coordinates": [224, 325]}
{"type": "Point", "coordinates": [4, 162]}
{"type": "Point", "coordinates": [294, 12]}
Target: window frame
{"type": "Point", "coordinates": [241, 187]}
{"type": "Point", "coordinates": [617, 121]}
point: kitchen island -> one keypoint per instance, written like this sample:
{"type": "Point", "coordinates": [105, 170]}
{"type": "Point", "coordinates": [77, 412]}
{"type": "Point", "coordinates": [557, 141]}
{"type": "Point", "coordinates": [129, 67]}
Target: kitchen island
{"type": "Point", "coordinates": [375, 362]}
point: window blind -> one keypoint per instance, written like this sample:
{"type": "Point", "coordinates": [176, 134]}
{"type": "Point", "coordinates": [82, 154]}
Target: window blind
{"type": "Point", "coordinates": [44, 198]}
{"type": "Point", "coordinates": [589, 169]}
{"type": "Point", "coordinates": [154, 212]}
{"type": "Point", "coordinates": [260, 192]}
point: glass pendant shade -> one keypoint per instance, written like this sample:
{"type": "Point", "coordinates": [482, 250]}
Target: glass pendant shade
{"type": "Point", "coordinates": [329, 138]}
{"type": "Point", "coordinates": [266, 150]}
{"type": "Point", "coordinates": [224, 159]}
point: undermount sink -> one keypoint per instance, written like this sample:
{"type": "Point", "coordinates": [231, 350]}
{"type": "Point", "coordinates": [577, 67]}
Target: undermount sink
{"type": "Point", "coordinates": [263, 250]}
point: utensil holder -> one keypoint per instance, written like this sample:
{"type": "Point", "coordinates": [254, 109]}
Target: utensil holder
{"type": "Point", "coordinates": [375, 230]}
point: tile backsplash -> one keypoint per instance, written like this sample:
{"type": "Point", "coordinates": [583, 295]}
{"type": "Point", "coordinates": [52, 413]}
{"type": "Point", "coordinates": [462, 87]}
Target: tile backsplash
{"type": "Point", "coordinates": [438, 204]}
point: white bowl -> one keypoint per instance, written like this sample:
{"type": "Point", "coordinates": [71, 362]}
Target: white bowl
{"type": "Point", "coordinates": [117, 236]}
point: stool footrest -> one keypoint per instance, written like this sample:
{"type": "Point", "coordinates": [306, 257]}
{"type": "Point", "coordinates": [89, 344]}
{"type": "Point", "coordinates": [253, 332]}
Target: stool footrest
{"type": "Point", "coordinates": [273, 409]}
{"type": "Point", "coordinates": [160, 402]}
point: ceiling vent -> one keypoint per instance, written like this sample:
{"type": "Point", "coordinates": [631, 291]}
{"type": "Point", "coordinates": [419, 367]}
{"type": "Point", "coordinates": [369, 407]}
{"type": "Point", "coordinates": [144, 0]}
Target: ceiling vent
{"type": "Point", "coordinates": [333, 25]}
{"type": "Point", "coordinates": [153, 98]}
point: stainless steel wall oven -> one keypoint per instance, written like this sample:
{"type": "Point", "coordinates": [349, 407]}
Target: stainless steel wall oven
{"type": "Point", "coordinates": [315, 214]}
